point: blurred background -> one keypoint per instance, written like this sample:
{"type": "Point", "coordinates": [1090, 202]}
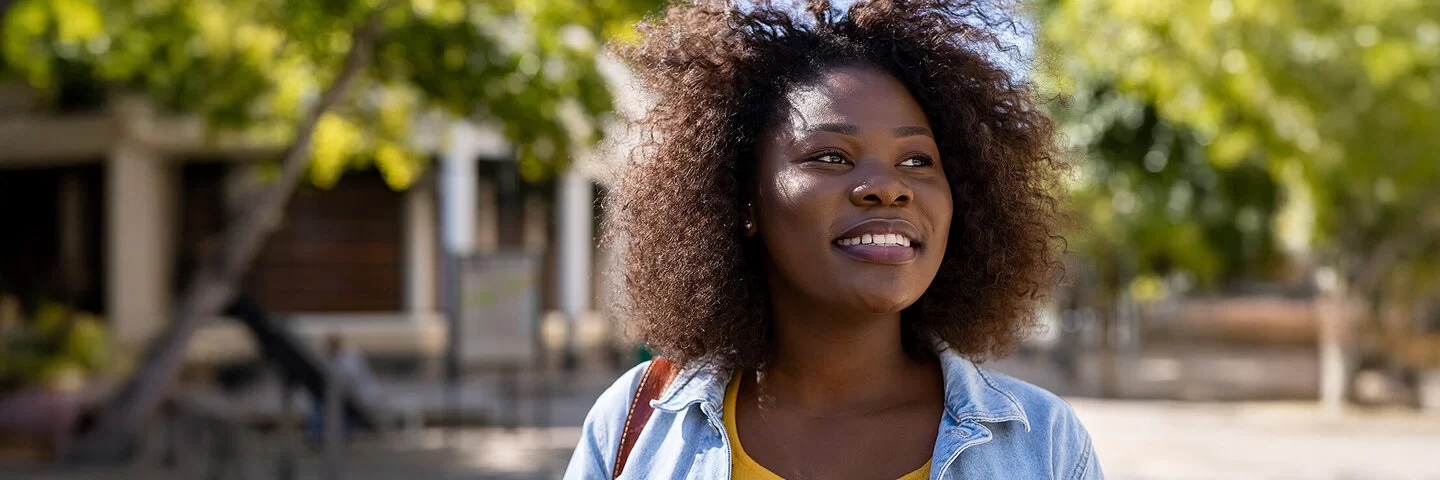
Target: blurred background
{"type": "Point", "coordinates": [356, 238]}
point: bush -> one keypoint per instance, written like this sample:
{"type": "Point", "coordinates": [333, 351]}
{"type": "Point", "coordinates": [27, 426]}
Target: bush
{"type": "Point", "coordinates": [54, 346]}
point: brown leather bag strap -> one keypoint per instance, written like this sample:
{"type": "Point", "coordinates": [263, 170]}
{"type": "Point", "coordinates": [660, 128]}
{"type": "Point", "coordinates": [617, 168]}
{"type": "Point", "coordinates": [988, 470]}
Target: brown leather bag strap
{"type": "Point", "coordinates": [657, 376]}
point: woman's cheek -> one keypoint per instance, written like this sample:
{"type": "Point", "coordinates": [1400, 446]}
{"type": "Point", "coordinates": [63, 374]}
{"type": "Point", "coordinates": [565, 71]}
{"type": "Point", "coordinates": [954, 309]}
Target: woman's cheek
{"type": "Point", "coordinates": [794, 189]}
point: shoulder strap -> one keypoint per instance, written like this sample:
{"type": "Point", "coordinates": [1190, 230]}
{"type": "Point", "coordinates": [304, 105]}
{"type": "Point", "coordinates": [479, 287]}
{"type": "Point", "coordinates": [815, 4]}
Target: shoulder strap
{"type": "Point", "coordinates": [657, 376]}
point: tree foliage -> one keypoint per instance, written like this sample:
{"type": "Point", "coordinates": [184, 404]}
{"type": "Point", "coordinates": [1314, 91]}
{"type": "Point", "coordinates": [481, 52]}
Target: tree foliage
{"type": "Point", "coordinates": [528, 66]}
{"type": "Point", "coordinates": [1154, 206]}
{"type": "Point", "coordinates": [1337, 102]}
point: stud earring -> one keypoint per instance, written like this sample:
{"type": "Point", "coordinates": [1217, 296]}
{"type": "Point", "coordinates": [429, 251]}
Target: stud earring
{"type": "Point", "coordinates": [749, 224]}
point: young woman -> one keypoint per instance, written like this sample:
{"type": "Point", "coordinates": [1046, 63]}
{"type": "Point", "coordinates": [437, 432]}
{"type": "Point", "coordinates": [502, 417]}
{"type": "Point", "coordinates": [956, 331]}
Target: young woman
{"type": "Point", "coordinates": [836, 216]}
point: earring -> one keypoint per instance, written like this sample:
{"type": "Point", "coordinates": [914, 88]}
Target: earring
{"type": "Point", "coordinates": [749, 224]}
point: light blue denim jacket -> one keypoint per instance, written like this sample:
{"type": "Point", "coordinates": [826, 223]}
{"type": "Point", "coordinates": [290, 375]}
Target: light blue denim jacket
{"type": "Point", "coordinates": [994, 426]}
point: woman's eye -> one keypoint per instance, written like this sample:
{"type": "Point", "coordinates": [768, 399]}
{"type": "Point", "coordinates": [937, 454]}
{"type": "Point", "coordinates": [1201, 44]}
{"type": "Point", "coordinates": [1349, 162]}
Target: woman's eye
{"type": "Point", "coordinates": [829, 157]}
{"type": "Point", "coordinates": [917, 161]}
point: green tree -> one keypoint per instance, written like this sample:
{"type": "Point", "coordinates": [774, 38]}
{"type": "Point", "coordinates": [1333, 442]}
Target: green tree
{"type": "Point", "coordinates": [1157, 217]}
{"type": "Point", "coordinates": [1338, 101]}
{"type": "Point", "coordinates": [1154, 206]}
{"type": "Point", "coordinates": [340, 84]}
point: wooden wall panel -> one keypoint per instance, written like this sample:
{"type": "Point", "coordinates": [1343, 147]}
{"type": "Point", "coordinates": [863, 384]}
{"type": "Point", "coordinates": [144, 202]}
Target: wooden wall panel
{"type": "Point", "coordinates": [339, 250]}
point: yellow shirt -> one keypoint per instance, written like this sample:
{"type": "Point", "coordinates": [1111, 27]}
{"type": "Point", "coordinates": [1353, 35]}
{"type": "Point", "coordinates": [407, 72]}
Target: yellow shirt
{"type": "Point", "coordinates": [745, 468]}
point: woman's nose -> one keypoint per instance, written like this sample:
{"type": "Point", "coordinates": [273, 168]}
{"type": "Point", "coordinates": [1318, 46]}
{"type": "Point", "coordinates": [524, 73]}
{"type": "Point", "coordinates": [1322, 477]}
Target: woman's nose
{"type": "Point", "coordinates": [881, 190]}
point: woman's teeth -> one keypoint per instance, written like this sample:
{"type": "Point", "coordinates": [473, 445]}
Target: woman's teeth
{"type": "Point", "coordinates": [885, 240]}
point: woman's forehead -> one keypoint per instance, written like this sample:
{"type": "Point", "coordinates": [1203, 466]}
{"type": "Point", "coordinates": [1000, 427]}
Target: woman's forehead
{"type": "Point", "coordinates": [863, 97]}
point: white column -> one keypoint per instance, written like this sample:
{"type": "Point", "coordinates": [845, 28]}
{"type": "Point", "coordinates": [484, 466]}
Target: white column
{"type": "Point", "coordinates": [140, 212]}
{"type": "Point", "coordinates": [1331, 324]}
{"type": "Point", "coordinates": [574, 240]}
{"type": "Point", "coordinates": [457, 232]}
{"type": "Point", "coordinates": [458, 182]}
{"type": "Point", "coordinates": [421, 258]}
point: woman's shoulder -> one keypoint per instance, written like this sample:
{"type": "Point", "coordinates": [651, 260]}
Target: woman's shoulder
{"type": "Point", "coordinates": [595, 455]}
{"type": "Point", "coordinates": [1039, 405]}
{"type": "Point", "coordinates": [1050, 425]}
{"type": "Point", "coordinates": [615, 400]}
{"type": "Point", "coordinates": [988, 395]}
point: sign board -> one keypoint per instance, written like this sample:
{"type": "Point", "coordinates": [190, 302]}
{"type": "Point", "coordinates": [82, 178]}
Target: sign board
{"type": "Point", "coordinates": [499, 308]}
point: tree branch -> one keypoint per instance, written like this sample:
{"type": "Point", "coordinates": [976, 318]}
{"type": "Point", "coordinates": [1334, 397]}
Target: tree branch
{"type": "Point", "coordinates": [295, 159]}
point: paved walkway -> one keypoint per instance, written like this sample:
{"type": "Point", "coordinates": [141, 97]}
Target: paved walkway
{"type": "Point", "coordinates": [1168, 440]}
{"type": "Point", "coordinates": [1135, 441]}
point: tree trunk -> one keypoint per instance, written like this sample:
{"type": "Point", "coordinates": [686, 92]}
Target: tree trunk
{"type": "Point", "coordinates": [215, 281]}
{"type": "Point", "coordinates": [1109, 355]}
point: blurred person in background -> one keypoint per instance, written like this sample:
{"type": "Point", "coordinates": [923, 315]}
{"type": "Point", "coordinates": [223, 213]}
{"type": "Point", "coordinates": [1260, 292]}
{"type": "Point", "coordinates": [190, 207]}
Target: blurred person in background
{"type": "Point", "coordinates": [838, 215]}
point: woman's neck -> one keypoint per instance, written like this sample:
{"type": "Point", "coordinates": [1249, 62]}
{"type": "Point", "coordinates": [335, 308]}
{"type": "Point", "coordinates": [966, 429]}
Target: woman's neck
{"type": "Point", "coordinates": [827, 361]}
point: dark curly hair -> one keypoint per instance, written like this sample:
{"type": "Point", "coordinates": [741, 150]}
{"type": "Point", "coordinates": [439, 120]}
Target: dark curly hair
{"type": "Point", "coordinates": [694, 286]}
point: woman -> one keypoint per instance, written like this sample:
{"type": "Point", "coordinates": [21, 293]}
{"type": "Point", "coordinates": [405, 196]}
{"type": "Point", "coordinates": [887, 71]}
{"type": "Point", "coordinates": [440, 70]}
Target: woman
{"type": "Point", "coordinates": [837, 215]}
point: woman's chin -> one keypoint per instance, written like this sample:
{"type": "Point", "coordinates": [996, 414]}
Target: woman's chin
{"type": "Point", "coordinates": [872, 303]}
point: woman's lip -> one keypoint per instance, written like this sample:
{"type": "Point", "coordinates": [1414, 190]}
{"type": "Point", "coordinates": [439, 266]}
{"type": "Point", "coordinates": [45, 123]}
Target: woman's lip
{"type": "Point", "coordinates": [884, 255]}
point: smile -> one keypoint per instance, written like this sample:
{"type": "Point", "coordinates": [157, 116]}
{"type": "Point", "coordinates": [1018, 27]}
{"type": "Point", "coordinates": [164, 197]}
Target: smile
{"type": "Point", "coordinates": [884, 240]}
{"type": "Point", "coordinates": [890, 253]}
{"type": "Point", "coordinates": [877, 246]}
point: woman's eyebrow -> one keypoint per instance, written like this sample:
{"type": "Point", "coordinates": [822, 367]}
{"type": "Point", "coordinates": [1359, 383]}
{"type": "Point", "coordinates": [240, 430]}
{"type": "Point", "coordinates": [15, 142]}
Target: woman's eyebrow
{"type": "Point", "coordinates": [911, 130]}
{"type": "Point", "coordinates": [848, 129]}
{"type": "Point", "coordinates": [840, 128]}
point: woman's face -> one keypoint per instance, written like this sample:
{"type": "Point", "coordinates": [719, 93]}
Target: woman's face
{"type": "Point", "coordinates": [852, 204]}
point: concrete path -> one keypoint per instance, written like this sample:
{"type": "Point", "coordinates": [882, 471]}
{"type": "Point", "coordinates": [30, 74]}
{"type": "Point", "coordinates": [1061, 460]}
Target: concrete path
{"type": "Point", "coordinates": [1135, 441]}
{"type": "Point", "coordinates": [1173, 441]}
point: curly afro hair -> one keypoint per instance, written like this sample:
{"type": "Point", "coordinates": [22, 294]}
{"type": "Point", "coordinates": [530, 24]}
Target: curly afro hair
{"type": "Point", "coordinates": [694, 285]}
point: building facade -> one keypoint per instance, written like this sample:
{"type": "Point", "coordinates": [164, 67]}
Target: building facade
{"type": "Point", "coordinates": [106, 211]}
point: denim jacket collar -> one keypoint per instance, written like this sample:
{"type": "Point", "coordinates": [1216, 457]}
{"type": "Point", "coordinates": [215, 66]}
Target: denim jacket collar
{"type": "Point", "coordinates": [970, 393]}
{"type": "Point", "coordinates": [700, 381]}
